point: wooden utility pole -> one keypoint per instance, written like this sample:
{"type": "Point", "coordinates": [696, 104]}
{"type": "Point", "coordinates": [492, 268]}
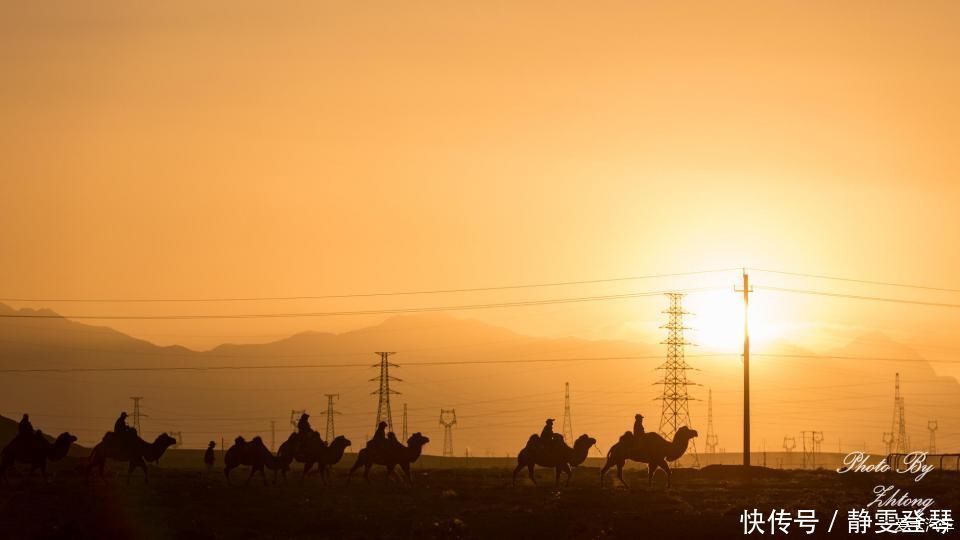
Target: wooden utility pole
{"type": "Point", "coordinates": [746, 367]}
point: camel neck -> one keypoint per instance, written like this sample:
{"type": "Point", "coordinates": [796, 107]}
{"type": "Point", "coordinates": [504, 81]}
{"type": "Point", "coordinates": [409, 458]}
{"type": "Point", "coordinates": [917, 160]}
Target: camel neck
{"type": "Point", "coordinates": [59, 449]}
{"type": "Point", "coordinates": [677, 448]}
{"type": "Point", "coordinates": [414, 452]}
{"type": "Point", "coordinates": [579, 454]}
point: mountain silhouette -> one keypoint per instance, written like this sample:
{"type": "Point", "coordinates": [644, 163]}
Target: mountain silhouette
{"type": "Point", "coordinates": [500, 403]}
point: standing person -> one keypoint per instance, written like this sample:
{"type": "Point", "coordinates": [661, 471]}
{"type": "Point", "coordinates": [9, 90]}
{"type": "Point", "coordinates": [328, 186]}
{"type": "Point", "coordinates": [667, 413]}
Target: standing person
{"type": "Point", "coordinates": [208, 457]}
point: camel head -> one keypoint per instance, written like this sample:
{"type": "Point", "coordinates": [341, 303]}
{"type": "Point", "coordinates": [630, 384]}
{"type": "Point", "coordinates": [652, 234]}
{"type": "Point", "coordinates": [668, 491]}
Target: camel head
{"type": "Point", "coordinates": [340, 441]}
{"type": "Point", "coordinates": [584, 441]}
{"type": "Point", "coordinates": [417, 440]}
{"type": "Point", "coordinates": [65, 439]}
{"type": "Point", "coordinates": [164, 440]}
{"type": "Point", "coordinates": [685, 433]}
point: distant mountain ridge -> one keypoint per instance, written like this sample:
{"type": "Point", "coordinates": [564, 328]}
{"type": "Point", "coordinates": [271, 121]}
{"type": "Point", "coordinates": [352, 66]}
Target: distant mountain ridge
{"type": "Point", "coordinates": [499, 404]}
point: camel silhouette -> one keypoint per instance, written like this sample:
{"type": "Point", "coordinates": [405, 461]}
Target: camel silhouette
{"type": "Point", "coordinates": [556, 455]}
{"type": "Point", "coordinates": [254, 454]}
{"type": "Point", "coordinates": [310, 449]}
{"type": "Point", "coordinates": [35, 450]}
{"type": "Point", "coordinates": [131, 448]}
{"type": "Point", "coordinates": [649, 448]}
{"type": "Point", "coordinates": [390, 453]}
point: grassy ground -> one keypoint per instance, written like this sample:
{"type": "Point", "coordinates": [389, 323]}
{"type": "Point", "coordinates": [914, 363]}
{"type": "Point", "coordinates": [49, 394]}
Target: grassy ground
{"type": "Point", "coordinates": [443, 503]}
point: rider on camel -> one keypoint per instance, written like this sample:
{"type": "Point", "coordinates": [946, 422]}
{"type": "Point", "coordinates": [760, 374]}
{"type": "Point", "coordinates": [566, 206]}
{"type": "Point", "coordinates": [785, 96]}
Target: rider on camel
{"type": "Point", "coordinates": [638, 425]}
{"type": "Point", "coordinates": [303, 425]}
{"type": "Point", "coordinates": [379, 437]}
{"type": "Point", "coordinates": [25, 428]}
{"type": "Point", "coordinates": [120, 426]}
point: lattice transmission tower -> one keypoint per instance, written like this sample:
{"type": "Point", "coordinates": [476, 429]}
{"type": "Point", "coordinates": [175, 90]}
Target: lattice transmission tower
{"type": "Point", "coordinates": [331, 428]}
{"type": "Point", "coordinates": [675, 408]}
{"type": "Point", "coordinates": [932, 428]}
{"type": "Point", "coordinates": [567, 418]}
{"type": "Point", "coordinates": [712, 439]}
{"type": "Point", "coordinates": [404, 423]}
{"type": "Point", "coordinates": [900, 442]}
{"type": "Point", "coordinates": [383, 392]}
{"type": "Point", "coordinates": [448, 419]}
{"type": "Point", "coordinates": [137, 414]}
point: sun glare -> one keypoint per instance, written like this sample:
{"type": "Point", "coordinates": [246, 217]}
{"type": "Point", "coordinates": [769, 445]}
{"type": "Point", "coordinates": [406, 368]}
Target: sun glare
{"type": "Point", "coordinates": [716, 321]}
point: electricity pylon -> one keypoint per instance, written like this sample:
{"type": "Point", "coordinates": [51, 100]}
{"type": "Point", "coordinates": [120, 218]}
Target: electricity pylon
{"type": "Point", "coordinates": [331, 429]}
{"type": "Point", "coordinates": [137, 414]}
{"type": "Point", "coordinates": [888, 441]}
{"type": "Point", "coordinates": [448, 419]}
{"type": "Point", "coordinates": [811, 446]}
{"type": "Point", "coordinates": [789, 443]}
{"type": "Point", "coordinates": [712, 439]}
{"type": "Point", "coordinates": [383, 392]}
{"type": "Point", "coordinates": [675, 409]}
{"type": "Point", "coordinates": [567, 418]}
{"type": "Point", "coordinates": [932, 427]}
{"type": "Point", "coordinates": [900, 443]}
{"type": "Point", "coordinates": [404, 423]}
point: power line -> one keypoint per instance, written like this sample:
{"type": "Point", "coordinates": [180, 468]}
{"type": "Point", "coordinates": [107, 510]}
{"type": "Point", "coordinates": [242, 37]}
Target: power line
{"type": "Point", "coordinates": [871, 358]}
{"type": "Point", "coordinates": [330, 366]}
{"type": "Point", "coordinates": [854, 280]}
{"type": "Point", "coordinates": [366, 295]}
{"type": "Point", "coordinates": [861, 297]}
{"type": "Point", "coordinates": [360, 312]}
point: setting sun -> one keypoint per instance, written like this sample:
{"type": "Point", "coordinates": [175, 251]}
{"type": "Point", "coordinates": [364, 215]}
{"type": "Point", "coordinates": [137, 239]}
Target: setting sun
{"type": "Point", "coordinates": [717, 320]}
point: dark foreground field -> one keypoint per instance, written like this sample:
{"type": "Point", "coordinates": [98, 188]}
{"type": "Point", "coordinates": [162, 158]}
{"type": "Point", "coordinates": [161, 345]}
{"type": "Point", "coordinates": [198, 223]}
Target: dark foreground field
{"type": "Point", "coordinates": [453, 503]}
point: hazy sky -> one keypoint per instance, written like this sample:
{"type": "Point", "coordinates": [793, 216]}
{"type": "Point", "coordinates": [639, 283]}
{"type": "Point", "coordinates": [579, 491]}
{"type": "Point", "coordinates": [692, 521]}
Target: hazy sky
{"type": "Point", "coordinates": [216, 149]}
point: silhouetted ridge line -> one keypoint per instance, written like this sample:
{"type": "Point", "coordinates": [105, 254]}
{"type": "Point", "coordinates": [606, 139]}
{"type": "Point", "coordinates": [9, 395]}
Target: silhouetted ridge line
{"type": "Point", "coordinates": [363, 295]}
{"type": "Point", "coordinates": [361, 312]}
{"type": "Point", "coordinates": [328, 366]}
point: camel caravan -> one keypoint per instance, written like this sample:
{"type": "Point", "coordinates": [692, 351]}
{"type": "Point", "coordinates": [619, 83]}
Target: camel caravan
{"type": "Point", "coordinates": [550, 450]}
{"type": "Point", "coordinates": [31, 447]}
{"type": "Point", "coordinates": [546, 449]}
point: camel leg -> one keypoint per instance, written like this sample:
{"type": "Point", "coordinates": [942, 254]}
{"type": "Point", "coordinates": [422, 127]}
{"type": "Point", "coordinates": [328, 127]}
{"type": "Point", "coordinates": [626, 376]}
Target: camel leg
{"type": "Point", "coordinates": [568, 472]}
{"type": "Point", "coordinates": [252, 472]}
{"type": "Point", "coordinates": [356, 465]}
{"type": "Point", "coordinates": [366, 471]}
{"type": "Point", "coordinates": [666, 468]}
{"type": "Point", "coordinates": [306, 470]}
{"type": "Point", "coordinates": [530, 472]}
{"type": "Point", "coordinates": [556, 483]}
{"type": "Point", "coordinates": [515, 471]}
{"type": "Point", "coordinates": [389, 472]}
{"type": "Point", "coordinates": [651, 470]}
{"type": "Point", "coordinates": [226, 474]}
{"type": "Point", "coordinates": [406, 471]}
{"type": "Point", "coordinates": [620, 474]}
{"type": "Point", "coordinates": [263, 475]}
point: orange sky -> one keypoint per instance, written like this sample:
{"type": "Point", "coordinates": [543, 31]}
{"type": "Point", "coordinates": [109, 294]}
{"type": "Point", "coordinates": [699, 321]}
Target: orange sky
{"type": "Point", "coordinates": [245, 149]}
